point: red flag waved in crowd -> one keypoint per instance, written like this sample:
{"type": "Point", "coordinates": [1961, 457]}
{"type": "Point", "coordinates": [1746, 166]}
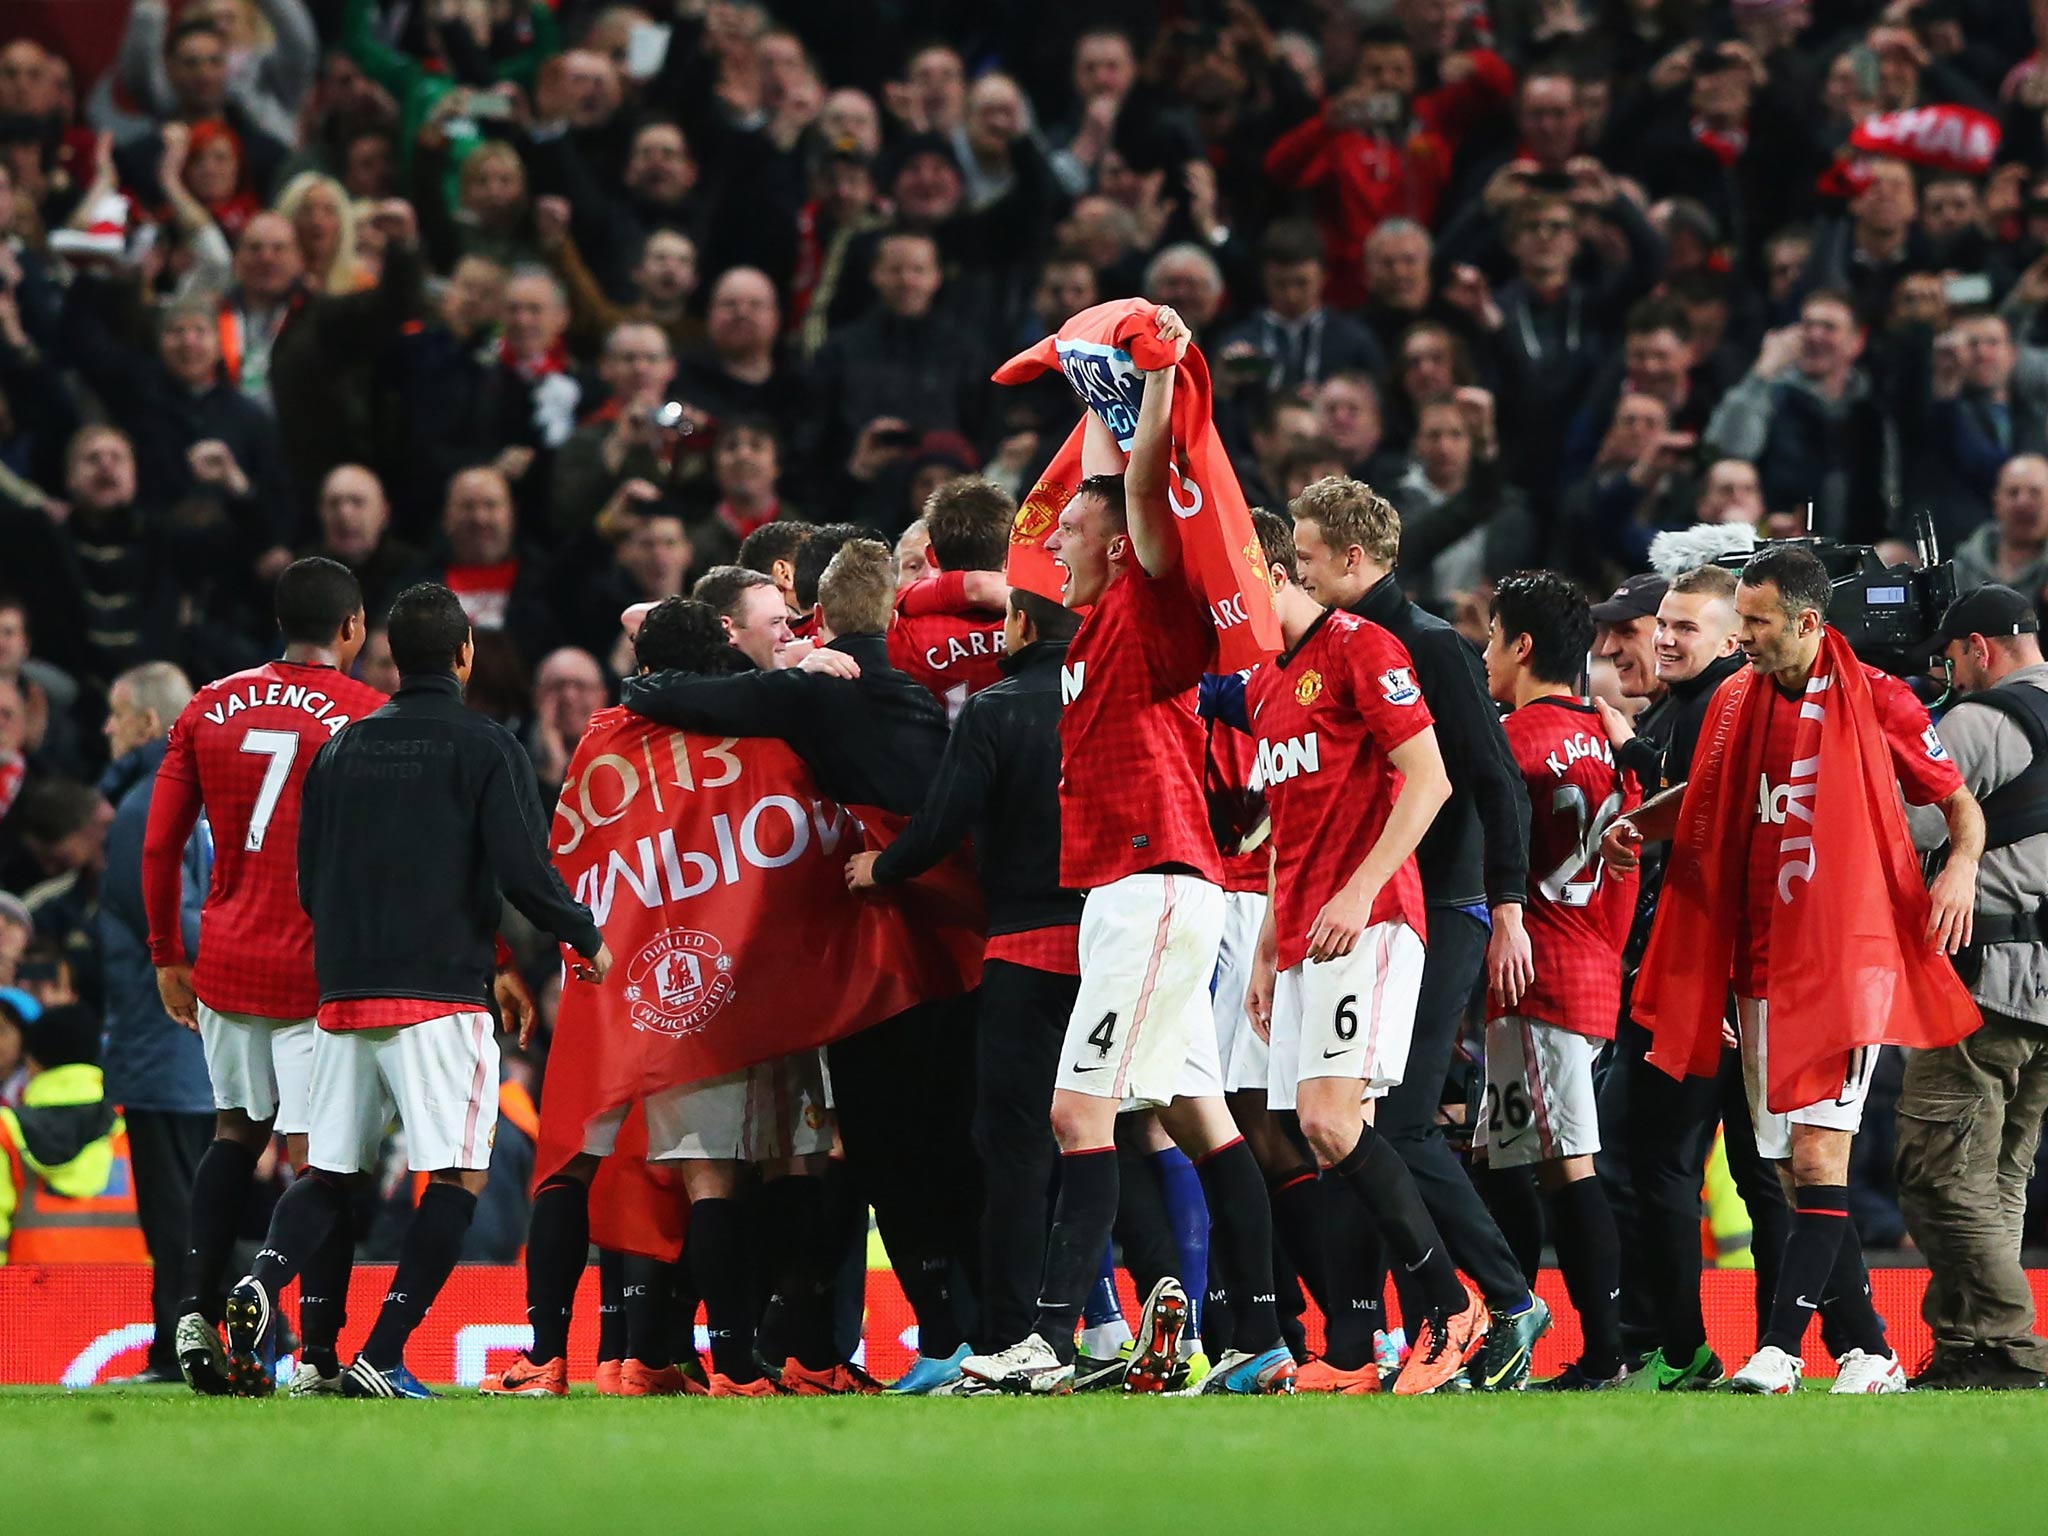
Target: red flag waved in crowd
{"type": "Point", "coordinates": [1103, 352]}
{"type": "Point", "coordinates": [714, 867]}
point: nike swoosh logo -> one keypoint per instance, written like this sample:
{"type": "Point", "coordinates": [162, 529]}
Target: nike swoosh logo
{"type": "Point", "coordinates": [1426, 1257]}
{"type": "Point", "coordinates": [1810, 1305]}
{"type": "Point", "coordinates": [1345, 1052]}
{"type": "Point", "coordinates": [1086, 1069]}
{"type": "Point", "coordinates": [1509, 1141]}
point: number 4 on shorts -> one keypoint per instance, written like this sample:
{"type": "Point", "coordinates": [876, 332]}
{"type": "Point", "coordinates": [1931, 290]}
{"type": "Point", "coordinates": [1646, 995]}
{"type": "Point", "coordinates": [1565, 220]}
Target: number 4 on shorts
{"type": "Point", "coordinates": [1103, 1035]}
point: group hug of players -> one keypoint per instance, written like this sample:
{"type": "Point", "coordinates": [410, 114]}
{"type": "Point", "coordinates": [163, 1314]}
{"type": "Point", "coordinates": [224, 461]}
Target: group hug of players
{"type": "Point", "coordinates": [1290, 1035]}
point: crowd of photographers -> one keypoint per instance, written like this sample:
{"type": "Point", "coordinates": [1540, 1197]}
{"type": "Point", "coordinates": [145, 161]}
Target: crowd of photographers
{"type": "Point", "coordinates": [559, 303]}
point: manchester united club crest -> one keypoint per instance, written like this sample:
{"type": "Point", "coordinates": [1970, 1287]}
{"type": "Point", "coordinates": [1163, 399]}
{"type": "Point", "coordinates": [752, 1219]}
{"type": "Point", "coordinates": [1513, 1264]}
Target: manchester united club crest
{"type": "Point", "coordinates": [1040, 511]}
{"type": "Point", "coordinates": [677, 982]}
{"type": "Point", "coordinates": [1308, 688]}
{"type": "Point", "coordinates": [1255, 557]}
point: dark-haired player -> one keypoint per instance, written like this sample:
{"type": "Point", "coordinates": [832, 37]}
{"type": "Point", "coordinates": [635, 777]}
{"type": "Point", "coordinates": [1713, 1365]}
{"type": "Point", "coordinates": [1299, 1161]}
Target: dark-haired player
{"type": "Point", "coordinates": [808, 568]}
{"type": "Point", "coordinates": [1135, 835]}
{"type": "Point", "coordinates": [956, 654]}
{"type": "Point", "coordinates": [1541, 1110]}
{"type": "Point", "coordinates": [1352, 776]}
{"type": "Point", "coordinates": [239, 753]}
{"type": "Point", "coordinates": [772, 549]}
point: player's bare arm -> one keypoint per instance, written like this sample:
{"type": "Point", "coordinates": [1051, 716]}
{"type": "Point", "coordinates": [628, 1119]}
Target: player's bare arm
{"type": "Point", "coordinates": [1425, 786]}
{"type": "Point", "coordinates": [174, 987]}
{"type": "Point", "coordinates": [1510, 961]}
{"type": "Point", "coordinates": [1153, 538]}
{"type": "Point", "coordinates": [1654, 821]}
{"type": "Point", "coordinates": [1258, 997]}
{"type": "Point", "coordinates": [1952, 917]}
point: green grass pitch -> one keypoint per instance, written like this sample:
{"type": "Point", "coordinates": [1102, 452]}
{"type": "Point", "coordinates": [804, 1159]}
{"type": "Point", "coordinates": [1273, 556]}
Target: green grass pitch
{"type": "Point", "coordinates": [163, 1462]}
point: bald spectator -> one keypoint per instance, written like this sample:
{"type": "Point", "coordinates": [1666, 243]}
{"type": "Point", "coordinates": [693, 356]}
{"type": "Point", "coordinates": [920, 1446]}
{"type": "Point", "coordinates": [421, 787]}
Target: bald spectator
{"type": "Point", "coordinates": [355, 529]}
{"type": "Point", "coordinates": [502, 584]}
{"type": "Point", "coordinates": [2012, 548]}
{"type": "Point", "coordinates": [568, 687]}
{"type": "Point", "coordinates": [740, 371]}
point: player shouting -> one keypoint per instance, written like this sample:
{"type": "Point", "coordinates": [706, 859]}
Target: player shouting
{"type": "Point", "coordinates": [1134, 834]}
{"type": "Point", "coordinates": [1541, 1110]}
{"type": "Point", "coordinates": [1349, 763]}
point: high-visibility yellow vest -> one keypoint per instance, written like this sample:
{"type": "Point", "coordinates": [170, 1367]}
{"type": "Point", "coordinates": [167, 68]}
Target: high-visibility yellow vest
{"type": "Point", "coordinates": [81, 1211]}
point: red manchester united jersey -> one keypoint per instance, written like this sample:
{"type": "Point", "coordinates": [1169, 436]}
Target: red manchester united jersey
{"type": "Point", "coordinates": [1130, 745]}
{"type": "Point", "coordinates": [1579, 909]}
{"type": "Point", "coordinates": [240, 752]}
{"type": "Point", "coordinates": [1926, 774]}
{"type": "Point", "coordinates": [955, 655]}
{"type": "Point", "coordinates": [1326, 715]}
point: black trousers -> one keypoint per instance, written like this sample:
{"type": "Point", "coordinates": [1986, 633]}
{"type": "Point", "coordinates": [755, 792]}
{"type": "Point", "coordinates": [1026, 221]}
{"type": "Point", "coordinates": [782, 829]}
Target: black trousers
{"type": "Point", "coordinates": [1022, 1023]}
{"type": "Point", "coordinates": [1407, 1116]}
{"type": "Point", "coordinates": [904, 1095]}
{"type": "Point", "coordinates": [1665, 1129]}
{"type": "Point", "coordinates": [164, 1148]}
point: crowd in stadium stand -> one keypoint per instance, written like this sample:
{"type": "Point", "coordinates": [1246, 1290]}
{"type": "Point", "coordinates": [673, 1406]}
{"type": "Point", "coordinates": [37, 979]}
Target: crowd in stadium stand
{"type": "Point", "coordinates": [561, 303]}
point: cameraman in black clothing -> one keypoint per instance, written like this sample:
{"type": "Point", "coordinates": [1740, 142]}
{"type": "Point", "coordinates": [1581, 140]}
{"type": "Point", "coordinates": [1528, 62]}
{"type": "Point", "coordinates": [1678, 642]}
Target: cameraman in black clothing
{"type": "Point", "coordinates": [1665, 1125]}
{"type": "Point", "coordinates": [873, 738]}
{"type": "Point", "coordinates": [1000, 782]}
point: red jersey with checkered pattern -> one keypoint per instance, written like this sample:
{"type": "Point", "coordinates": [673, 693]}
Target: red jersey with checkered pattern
{"type": "Point", "coordinates": [955, 655]}
{"type": "Point", "coordinates": [240, 751]}
{"type": "Point", "coordinates": [1326, 715]}
{"type": "Point", "coordinates": [1579, 910]}
{"type": "Point", "coordinates": [1926, 774]}
{"type": "Point", "coordinates": [1131, 747]}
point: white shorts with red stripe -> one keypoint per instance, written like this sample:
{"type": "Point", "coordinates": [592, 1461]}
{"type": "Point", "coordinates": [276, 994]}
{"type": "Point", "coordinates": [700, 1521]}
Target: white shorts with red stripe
{"type": "Point", "coordinates": [1349, 1017]}
{"type": "Point", "coordinates": [1238, 1046]}
{"type": "Point", "coordinates": [1540, 1103]}
{"type": "Point", "coordinates": [1843, 1112]}
{"type": "Point", "coordinates": [756, 1115]}
{"type": "Point", "coordinates": [1141, 1030]}
{"type": "Point", "coordinates": [439, 1078]}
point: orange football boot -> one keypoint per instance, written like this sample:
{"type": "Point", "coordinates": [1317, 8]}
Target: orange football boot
{"type": "Point", "coordinates": [1442, 1346]}
{"type": "Point", "coordinates": [606, 1381]}
{"type": "Point", "coordinates": [637, 1380]}
{"type": "Point", "coordinates": [835, 1381]}
{"type": "Point", "coordinates": [725, 1386]}
{"type": "Point", "coordinates": [1321, 1376]}
{"type": "Point", "coordinates": [522, 1378]}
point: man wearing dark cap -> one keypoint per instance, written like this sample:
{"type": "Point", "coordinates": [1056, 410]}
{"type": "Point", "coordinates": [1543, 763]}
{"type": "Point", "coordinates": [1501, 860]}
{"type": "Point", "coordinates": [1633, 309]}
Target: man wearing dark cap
{"type": "Point", "coordinates": [1626, 634]}
{"type": "Point", "coordinates": [1970, 1114]}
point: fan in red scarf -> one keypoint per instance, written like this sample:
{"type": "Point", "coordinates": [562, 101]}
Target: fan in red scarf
{"type": "Point", "coordinates": [1805, 892]}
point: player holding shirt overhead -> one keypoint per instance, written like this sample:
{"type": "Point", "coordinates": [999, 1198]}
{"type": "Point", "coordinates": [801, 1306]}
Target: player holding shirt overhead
{"type": "Point", "coordinates": [239, 752]}
{"type": "Point", "coordinates": [1134, 834]}
{"type": "Point", "coordinates": [1349, 763]}
{"type": "Point", "coordinates": [1541, 1110]}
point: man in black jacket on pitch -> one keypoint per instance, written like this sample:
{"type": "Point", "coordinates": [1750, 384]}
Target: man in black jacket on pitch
{"type": "Point", "coordinates": [415, 824]}
{"type": "Point", "coordinates": [1475, 869]}
{"type": "Point", "coordinates": [873, 738]}
{"type": "Point", "coordinates": [1000, 781]}
{"type": "Point", "coordinates": [1662, 1128]}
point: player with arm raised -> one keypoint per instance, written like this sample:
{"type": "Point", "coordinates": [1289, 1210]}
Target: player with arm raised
{"type": "Point", "coordinates": [1134, 834]}
{"type": "Point", "coordinates": [1541, 1110]}
{"type": "Point", "coordinates": [239, 753]}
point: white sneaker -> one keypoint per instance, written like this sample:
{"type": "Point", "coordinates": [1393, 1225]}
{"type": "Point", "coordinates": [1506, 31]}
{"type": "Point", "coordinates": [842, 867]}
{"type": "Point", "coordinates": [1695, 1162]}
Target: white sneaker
{"type": "Point", "coordinates": [1027, 1367]}
{"type": "Point", "coordinates": [1770, 1373]}
{"type": "Point", "coordinates": [1860, 1372]}
{"type": "Point", "coordinates": [309, 1381]}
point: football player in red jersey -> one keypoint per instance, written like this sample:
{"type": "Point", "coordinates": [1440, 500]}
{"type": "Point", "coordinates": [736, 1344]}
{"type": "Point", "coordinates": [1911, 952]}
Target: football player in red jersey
{"type": "Point", "coordinates": [956, 654]}
{"type": "Point", "coordinates": [239, 752]}
{"type": "Point", "coordinates": [1348, 761]}
{"type": "Point", "coordinates": [1541, 1110]}
{"type": "Point", "coordinates": [1808, 716]}
{"type": "Point", "coordinates": [1135, 835]}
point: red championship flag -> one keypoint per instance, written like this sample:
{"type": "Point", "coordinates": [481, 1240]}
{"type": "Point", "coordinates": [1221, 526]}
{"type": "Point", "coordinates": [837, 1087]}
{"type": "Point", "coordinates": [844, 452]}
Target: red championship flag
{"type": "Point", "coordinates": [1101, 351]}
{"type": "Point", "coordinates": [1941, 138]}
{"type": "Point", "coordinates": [716, 871]}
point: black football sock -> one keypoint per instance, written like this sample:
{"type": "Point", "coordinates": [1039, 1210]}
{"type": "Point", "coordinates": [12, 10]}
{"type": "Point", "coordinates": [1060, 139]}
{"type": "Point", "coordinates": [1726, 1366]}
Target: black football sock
{"type": "Point", "coordinates": [718, 1263]}
{"type": "Point", "coordinates": [1517, 1209]}
{"type": "Point", "coordinates": [1847, 1305]}
{"type": "Point", "coordinates": [792, 1212]}
{"type": "Point", "coordinates": [649, 1285]}
{"type": "Point", "coordinates": [433, 1244]}
{"type": "Point", "coordinates": [611, 1305]}
{"type": "Point", "coordinates": [557, 1249]}
{"type": "Point", "coordinates": [1356, 1261]}
{"type": "Point", "coordinates": [1219, 1322]}
{"type": "Point", "coordinates": [298, 1226]}
{"type": "Point", "coordinates": [1820, 1218]}
{"type": "Point", "coordinates": [1589, 1253]}
{"type": "Point", "coordinates": [1297, 1200]}
{"type": "Point", "coordinates": [323, 1293]}
{"type": "Point", "coordinates": [1374, 1172]}
{"type": "Point", "coordinates": [220, 1189]}
{"type": "Point", "coordinates": [1241, 1243]}
{"type": "Point", "coordinates": [1081, 1220]}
